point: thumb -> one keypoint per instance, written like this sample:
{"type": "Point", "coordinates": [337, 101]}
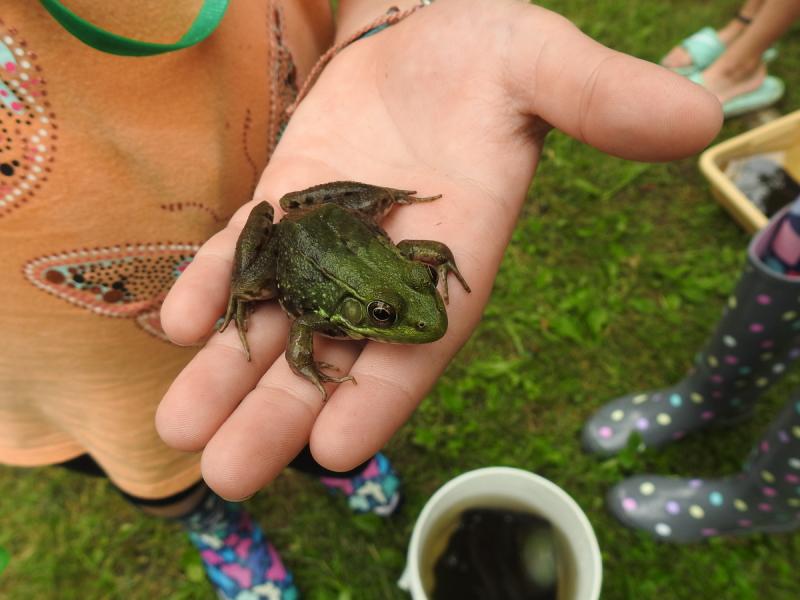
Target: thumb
{"type": "Point", "coordinates": [619, 104]}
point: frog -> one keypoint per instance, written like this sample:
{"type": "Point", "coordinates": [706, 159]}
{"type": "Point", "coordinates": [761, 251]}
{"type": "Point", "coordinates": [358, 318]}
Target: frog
{"type": "Point", "coordinates": [336, 272]}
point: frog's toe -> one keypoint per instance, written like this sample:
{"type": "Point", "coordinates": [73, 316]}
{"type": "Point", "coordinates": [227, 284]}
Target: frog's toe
{"type": "Point", "coordinates": [461, 279]}
{"type": "Point", "coordinates": [317, 377]}
{"type": "Point", "coordinates": [325, 377]}
{"type": "Point", "coordinates": [338, 379]}
{"type": "Point", "coordinates": [322, 377]}
{"type": "Point", "coordinates": [324, 365]}
{"type": "Point", "coordinates": [445, 292]}
{"type": "Point", "coordinates": [227, 318]}
{"type": "Point", "coordinates": [410, 198]}
{"type": "Point", "coordinates": [245, 345]}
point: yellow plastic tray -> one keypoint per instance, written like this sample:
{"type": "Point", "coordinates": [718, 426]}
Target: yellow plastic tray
{"type": "Point", "coordinates": [779, 135]}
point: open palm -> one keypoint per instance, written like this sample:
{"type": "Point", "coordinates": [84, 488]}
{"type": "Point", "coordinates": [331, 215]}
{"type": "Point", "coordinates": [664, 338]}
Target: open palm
{"type": "Point", "coordinates": [455, 100]}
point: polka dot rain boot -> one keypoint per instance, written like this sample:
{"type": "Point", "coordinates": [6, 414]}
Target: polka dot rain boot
{"type": "Point", "coordinates": [756, 339]}
{"type": "Point", "coordinates": [375, 489]}
{"type": "Point", "coordinates": [240, 563]}
{"type": "Point", "coordinates": [765, 497]}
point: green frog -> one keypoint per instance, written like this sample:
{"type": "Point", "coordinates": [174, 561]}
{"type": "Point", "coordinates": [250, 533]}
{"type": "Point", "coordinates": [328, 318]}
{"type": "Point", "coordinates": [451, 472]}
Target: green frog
{"type": "Point", "coordinates": [337, 273]}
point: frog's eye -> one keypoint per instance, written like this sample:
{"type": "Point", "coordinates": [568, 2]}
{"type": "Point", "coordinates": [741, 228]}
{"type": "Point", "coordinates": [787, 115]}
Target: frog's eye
{"type": "Point", "coordinates": [434, 274]}
{"type": "Point", "coordinates": [381, 313]}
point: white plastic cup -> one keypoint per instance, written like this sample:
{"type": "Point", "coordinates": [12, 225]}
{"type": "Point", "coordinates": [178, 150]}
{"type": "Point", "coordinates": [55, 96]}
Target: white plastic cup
{"type": "Point", "coordinates": [515, 489]}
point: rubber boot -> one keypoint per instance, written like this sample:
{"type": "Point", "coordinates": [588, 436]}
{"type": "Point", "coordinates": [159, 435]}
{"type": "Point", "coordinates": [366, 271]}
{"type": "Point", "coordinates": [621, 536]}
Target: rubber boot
{"type": "Point", "coordinates": [239, 561]}
{"type": "Point", "coordinates": [765, 497]}
{"type": "Point", "coordinates": [376, 489]}
{"type": "Point", "coordinates": [758, 335]}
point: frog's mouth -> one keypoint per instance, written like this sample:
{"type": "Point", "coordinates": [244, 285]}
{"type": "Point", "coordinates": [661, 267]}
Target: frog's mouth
{"type": "Point", "coordinates": [401, 333]}
{"type": "Point", "coordinates": [418, 333]}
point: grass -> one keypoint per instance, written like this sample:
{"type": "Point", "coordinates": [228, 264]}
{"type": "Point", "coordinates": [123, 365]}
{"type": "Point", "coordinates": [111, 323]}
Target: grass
{"type": "Point", "coordinates": [614, 277]}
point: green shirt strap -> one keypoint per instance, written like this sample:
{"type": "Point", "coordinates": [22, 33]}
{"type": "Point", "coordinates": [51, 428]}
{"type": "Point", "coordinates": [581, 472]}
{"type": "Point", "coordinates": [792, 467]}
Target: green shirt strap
{"type": "Point", "coordinates": [206, 22]}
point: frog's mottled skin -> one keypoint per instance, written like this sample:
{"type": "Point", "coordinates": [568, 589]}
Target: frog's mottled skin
{"type": "Point", "coordinates": [336, 272]}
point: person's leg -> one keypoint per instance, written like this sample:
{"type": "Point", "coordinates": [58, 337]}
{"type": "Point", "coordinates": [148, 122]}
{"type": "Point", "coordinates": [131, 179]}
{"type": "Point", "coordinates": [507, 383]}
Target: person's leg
{"type": "Point", "coordinates": [740, 69]}
{"type": "Point", "coordinates": [305, 463]}
{"type": "Point", "coordinates": [679, 56]}
{"type": "Point", "coordinates": [234, 551]}
{"type": "Point", "coordinates": [171, 507]}
{"type": "Point", "coordinates": [83, 464]}
{"type": "Point", "coordinates": [236, 555]}
{"type": "Point", "coordinates": [238, 559]}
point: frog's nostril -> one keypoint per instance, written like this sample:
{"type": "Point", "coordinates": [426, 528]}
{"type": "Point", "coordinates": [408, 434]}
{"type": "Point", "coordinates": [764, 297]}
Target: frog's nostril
{"type": "Point", "coordinates": [421, 325]}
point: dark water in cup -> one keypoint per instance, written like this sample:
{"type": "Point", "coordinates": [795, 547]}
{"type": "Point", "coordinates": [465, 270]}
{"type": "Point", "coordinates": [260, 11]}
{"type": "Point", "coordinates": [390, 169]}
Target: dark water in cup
{"type": "Point", "coordinates": [498, 554]}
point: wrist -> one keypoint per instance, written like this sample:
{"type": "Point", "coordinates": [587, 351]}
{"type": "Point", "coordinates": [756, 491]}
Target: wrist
{"type": "Point", "coordinates": [355, 14]}
{"type": "Point", "coordinates": [353, 28]}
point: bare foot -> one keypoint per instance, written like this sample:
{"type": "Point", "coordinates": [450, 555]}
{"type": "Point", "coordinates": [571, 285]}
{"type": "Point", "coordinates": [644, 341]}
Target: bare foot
{"type": "Point", "coordinates": [729, 83]}
{"type": "Point", "coordinates": [678, 57]}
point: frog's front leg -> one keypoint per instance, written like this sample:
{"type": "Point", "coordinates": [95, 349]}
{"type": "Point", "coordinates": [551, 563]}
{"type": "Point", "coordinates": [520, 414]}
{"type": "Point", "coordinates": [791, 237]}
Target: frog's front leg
{"type": "Point", "coordinates": [437, 255]}
{"type": "Point", "coordinates": [300, 352]}
{"type": "Point", "coordinates": [253, 275]}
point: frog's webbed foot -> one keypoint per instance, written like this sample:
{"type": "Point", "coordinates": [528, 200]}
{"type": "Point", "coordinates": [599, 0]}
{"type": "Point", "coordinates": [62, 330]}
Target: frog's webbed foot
{"type": "Point", "coordinates": [437, 255]}
{"type": "Point", "coordinates": [313, 372]}
{"type": "Point", "coordinates": [300, 356]}
{"type": "Point", "coordinates": [237, 311]}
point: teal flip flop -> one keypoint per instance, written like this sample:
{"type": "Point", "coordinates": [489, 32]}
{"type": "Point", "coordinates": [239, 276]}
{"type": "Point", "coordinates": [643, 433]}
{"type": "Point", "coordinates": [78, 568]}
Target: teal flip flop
{"type": "Point", "coordinates": [767, 94]}
{"type": "Point", "coordinates": [704, 47]}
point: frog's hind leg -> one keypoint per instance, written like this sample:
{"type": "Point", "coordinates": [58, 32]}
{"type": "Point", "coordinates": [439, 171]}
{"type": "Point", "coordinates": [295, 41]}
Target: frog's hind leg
{"type": "Point", "coordinates": [372, 202]}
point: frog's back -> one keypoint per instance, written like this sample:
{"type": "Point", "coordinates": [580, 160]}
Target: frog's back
{"type": "Point", "coordinates": [328, 253]}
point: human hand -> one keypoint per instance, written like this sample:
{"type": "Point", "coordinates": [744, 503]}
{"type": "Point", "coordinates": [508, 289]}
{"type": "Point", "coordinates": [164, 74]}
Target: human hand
{"type": "Point", "coordinates": [454, 100]}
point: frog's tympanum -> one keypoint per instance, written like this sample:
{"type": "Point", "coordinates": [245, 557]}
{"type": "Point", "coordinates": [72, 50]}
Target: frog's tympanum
{"type": "Point", "coordinates": [336, 272]}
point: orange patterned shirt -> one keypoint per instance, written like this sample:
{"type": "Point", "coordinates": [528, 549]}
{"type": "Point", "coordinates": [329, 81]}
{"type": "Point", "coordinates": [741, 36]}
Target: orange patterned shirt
{"type": "Point", "coordinates": [113, 170]}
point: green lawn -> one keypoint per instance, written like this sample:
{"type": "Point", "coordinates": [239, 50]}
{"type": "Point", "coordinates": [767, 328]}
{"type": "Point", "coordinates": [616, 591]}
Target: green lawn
{"type": "Point", "coordinates": [616, 273]}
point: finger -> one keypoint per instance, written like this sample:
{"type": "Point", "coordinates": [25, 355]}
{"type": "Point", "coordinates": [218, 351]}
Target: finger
{"type": "Point", "coordinates": [617, 103]}
{"type": "Point", "coordinates": [199, 296]}
{"type": "Point", "coordinates": [270, 426]}
{"type": "Point", "coordinates": [216, 380]}
{"type": "Point", "coordinates": [359, 420]}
